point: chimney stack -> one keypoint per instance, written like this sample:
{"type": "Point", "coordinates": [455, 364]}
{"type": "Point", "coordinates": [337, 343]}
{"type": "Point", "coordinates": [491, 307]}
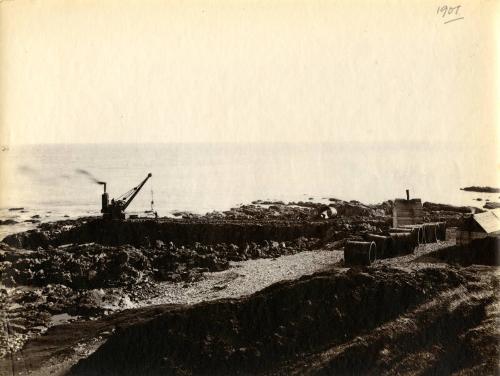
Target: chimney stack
{"type": "Point", "coordinates": [408, 195]}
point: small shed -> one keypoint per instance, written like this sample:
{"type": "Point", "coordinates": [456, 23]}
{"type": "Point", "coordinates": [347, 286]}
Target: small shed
{"type": "Point", "coordinates": [407, 212]}
{"type": "Point", "coordinates": [479, 226]}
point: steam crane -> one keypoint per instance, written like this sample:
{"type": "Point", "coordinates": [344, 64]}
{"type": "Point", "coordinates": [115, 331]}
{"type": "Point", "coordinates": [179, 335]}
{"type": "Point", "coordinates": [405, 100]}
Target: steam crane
{"type": "Point", "coordinates": [116, 208]}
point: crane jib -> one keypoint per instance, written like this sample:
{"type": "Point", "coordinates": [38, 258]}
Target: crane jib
{"type": "Point", "coordinates": [116, 208]}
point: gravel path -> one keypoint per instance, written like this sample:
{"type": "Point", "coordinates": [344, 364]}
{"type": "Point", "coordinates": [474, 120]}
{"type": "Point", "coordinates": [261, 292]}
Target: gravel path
{"type": "Point", "coordinates": [246, 277]}
{"type": "Point", "coordinates": [243, 278]}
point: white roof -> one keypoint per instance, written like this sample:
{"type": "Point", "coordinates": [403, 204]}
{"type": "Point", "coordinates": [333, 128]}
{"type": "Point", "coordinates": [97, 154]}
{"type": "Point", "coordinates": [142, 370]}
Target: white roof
{"type": "Point", "coordinates": [489, 221]}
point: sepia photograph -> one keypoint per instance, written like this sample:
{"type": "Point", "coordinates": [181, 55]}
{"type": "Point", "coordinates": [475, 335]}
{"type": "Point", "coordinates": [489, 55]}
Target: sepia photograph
{"type": "Point", "coordinates": [249, 187]}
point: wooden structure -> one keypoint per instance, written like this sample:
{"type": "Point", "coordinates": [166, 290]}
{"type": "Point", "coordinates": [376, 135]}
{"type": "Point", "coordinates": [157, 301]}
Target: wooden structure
{"type": "Point", "coordinates": [479, 226]}
{"type": "Point", "coordinates": [407, 212]}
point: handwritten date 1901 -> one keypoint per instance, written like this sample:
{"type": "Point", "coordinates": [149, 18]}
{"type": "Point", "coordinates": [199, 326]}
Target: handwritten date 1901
{"type": "Point", "coordinates": [449, 13]}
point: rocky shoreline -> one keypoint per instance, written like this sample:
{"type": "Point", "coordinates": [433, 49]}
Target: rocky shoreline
{"type": "Point", "coordinates": [84, 270]}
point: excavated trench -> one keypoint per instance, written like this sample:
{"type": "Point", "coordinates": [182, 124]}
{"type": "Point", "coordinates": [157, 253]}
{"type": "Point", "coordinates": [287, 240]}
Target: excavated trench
{"type": "Point", "coordinates": [277, 329]}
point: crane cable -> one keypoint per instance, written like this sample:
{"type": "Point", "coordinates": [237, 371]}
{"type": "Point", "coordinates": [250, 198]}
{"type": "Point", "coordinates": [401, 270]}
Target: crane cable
{"type": "Point", "coordinates": [152, 198]}
{"type": "Point", "coordinates": [127, 194]}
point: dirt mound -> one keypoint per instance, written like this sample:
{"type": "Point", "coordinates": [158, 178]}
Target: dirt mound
{"type": "Point", "coordinates": [480, 251]}
{"type": "Point", "coordinates": [272, 330]}
{"type": "Point", "coordinates": [454, 333]}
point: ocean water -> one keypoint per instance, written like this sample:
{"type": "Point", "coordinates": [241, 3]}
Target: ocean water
{"type": "Point", "coordinates": [44, 179]}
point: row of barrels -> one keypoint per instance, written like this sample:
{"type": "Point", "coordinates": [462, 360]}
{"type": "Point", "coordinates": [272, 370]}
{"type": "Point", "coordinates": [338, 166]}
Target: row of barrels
{"type": "Point", "coordinates": [398, 241]}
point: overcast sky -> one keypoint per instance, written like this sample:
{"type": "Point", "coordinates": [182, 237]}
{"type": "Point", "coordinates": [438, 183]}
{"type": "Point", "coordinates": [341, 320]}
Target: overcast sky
{"type": "Point", "coordinates": [223, 71]}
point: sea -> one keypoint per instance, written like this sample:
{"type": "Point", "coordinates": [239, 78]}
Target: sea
{"type": "Point", "coordinates": [56, 181]}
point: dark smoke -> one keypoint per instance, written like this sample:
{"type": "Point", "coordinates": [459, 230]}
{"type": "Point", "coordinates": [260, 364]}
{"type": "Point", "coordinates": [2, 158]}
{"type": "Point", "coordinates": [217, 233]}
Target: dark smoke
{"type": "Point", "coordinates": [33, 174]}
{"type": "Point", "coordinates": [90, 176]}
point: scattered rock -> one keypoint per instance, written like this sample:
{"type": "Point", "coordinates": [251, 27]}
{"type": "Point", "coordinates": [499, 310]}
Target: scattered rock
{"type": "Point", "coordinates": [431, 206]}
{"type": "Point", "coordinates": [492, 205]}
{"type": "Point", "coordinates": [8, 222]}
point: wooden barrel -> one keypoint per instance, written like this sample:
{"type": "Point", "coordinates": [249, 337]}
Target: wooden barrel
{"type": "Point", "coordinates": [359, 253]}
{"type": "Point", "coordinates": [382, 242]}
{"type": "Point", "coordinates": [399, 229]}
{"type": "Point", "coordinates": [430, 233]}
{"type": "Point", "coordinates": [418, 232]}
{"type": "Point", "coordinates": [402, 243]}
{"type": "Point", "coordinates": [413, 230]}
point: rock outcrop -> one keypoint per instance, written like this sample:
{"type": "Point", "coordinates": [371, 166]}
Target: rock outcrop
{"type": "Point", "coordinates": [481, 189]}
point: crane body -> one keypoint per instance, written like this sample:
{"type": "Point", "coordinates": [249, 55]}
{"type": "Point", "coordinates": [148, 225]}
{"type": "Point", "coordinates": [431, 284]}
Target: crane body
{"type": "Point", "coordinates": [116, 208]}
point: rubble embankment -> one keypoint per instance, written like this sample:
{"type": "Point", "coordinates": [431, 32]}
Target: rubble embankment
{"type": "Point", "coordinates": [370, 320]}
{"type": "Point", "coordinates": [145, 232]}
{"type": "Point", "coordinates": [247, 223]}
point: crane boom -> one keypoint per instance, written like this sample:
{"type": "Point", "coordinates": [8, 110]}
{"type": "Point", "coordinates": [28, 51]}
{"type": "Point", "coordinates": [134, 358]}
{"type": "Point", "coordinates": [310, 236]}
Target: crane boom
{"type": "Point", "coordinates": [136, 191]}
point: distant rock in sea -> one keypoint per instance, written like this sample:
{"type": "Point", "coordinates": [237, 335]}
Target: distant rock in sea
{"type": "Point", "coordinates": [431, 206]}
{"type": "Point", "coordinates": [8, 222]}
{"type": "Point", "coordinates": [481, 189]}
{"type": "Point", "coordinates": [492, 205]}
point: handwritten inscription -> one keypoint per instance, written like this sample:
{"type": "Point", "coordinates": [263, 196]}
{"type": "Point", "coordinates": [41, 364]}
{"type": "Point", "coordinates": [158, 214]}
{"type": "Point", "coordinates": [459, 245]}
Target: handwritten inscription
{"type": "Point", "coordinates": [449, 13]}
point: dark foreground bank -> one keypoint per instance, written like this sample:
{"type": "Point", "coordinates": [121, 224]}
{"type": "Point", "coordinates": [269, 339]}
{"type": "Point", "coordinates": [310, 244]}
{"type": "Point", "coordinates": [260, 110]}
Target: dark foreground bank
{"type": "Point", "coordinates": [426, 320]}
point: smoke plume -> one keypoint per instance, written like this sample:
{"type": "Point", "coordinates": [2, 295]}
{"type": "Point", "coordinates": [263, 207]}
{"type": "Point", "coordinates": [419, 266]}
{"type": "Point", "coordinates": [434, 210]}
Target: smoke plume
{"type": "Point", "coordinates": [89, 175]}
